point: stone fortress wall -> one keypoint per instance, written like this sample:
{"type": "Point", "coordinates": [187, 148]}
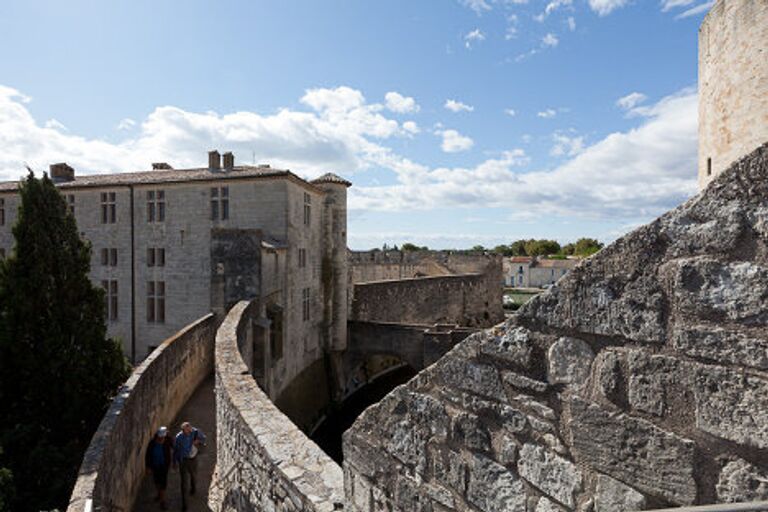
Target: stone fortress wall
{"type": "Point", "coordinates": [733, 84]}
{"type": "Point", "coordinates": [264, 462]}
{"type": "Point", "coordinates": [639, 381]}
{"type": "Point", "coordinates": [113, 466]}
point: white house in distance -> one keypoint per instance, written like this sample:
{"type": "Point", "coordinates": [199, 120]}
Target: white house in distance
{"type": "Point", "coordinates": [533, 272]}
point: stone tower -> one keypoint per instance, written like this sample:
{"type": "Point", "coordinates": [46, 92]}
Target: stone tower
{"type": "Point", "coordinates": [733, 84]}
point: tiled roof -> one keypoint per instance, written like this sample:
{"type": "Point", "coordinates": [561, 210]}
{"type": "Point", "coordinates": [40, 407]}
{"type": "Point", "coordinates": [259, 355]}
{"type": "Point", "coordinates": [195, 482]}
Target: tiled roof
{"type": "Point", "coordinates": [167, 176]}
{"type": "Point", "coordinates": [520, 259]}
{"type": "Point", "coordinates": [330, 177]}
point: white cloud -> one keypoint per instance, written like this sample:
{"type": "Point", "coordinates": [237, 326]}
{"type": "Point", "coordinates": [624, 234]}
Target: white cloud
{"type": "Point", "coordinates": [396, 102]}
{"type": "Point", "coordinates": [510, 112]}
{"type": "Point", "coordinates": [454, 142]}
{"type": "Point", "coordinates": [547, 114]}
{"type": "Point", "coordinates": [512, 23]}
{"type": "Point", "coordinates": [472, 37]}
{"type": "Point", "coordinates": [411, 127]}
{"type": "Point", "coordinates": [551, 7]}
{"type": "Point", "coordinates": [699, 9]}
{"type": "Point", "coordinates": [479, 6]}
{"type": "Point", "coordinates": [566, 145]}
{"type": "Point", "coordinates": [667, 5]}
{"type": "Point", "coordinates": [126, 124]}
{"type": "Point", "coordinates": [605, 7]}
{"type": "Point", "coordinates": [571, 24]}
{"type": "Point", "coordinates": [457, 106]}
{"type": "Point", "coordinates": [627, 175]}
{"type": "Point", "coordinates": [631, 100]}
{"type": "Point", "coordinates": [55, 125]}
{"type": "Point", "coordinates": [550, 40]}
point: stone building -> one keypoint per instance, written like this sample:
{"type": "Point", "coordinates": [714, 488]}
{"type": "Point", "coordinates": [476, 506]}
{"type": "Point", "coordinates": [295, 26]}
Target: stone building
{"type": "Point", "coordinates": [170, 245]}
{"type": "Point", "coordinates": [530, 272]}
{"type": "Point", "coordinates": [733, 84]}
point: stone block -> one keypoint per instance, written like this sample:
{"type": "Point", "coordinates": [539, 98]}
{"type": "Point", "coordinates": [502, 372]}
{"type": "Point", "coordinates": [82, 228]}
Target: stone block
{"type": "Point", "coordinates": [522, 382]}
{"type": "Point", "coordinates": [633, 450]}
{"type": "Point", "coordinates": [569, 361]}
{"type": "Point", "coordinates": [732, 405]}
{"type": "Point", "coordinates": [743, 347]}
{"type": "Point", "coordinates": [609, 376]}
{"type": "Point", "coordinates": [650, 376]}
{"type": "Point", "coordinates": [492, 487]}
{"type": "Point", "coordinates": [741, 481]}
{"type": "Point", "coordinates": [614, 496]}
{"type": "Point", "coordinates": [514, 346]}
{"type": "Point", "coordinates": [547, 505]}
{"type": "Point", "coordinates": [467, 430]}
{"type": "Point", "coordinates": [552, 474]}
{"type": "Point", "coordinates": [481, 379]}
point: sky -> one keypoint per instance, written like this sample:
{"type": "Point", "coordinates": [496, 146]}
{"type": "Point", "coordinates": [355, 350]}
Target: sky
{"type": "Point", "coordinates": [459, 122]}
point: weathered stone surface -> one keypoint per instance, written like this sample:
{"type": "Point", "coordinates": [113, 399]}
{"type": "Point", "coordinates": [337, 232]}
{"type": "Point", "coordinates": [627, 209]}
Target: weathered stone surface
{"type": "Point", "coordinates": [547, 505]}
{"type": "Point", "coordinates": [552, 474]}
{"type": "Point", "coordinates": [614, 496]}
{"type": "Point", "coordinates": [732, 405]}
{"type": "Point", "coordinates": [569, 361]}
{"type": "Point", "coordinates": [513, 346]}
{"type": "Point", "coordinates": [634, 451]}
{"type": "Point", "coordinates": [741, 481]}
{"type": "Point", "coordinates": [469, 431]}
{"type": "Point", "coordinates": [650, 378]}
{"type": "Point", "coordinates": [522, 382]}
{"type": "Point", "coordinates": [707, 288]}
{"type": "Point", "coordinates": [492, 487]}
{"type": "Point", "coordinates": [609, 376]}
{"type": "Point", "coordinates": [478, 378]}
{"type": "Point", "coordinates": [746, 348]}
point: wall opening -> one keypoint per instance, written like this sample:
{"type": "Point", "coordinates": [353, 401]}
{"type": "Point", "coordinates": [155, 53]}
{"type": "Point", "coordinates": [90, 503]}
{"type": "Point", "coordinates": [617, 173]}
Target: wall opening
{"type": "Point", "coordinates": [709, 166]}
{"type": "Point", "coordinates": [327, 434]}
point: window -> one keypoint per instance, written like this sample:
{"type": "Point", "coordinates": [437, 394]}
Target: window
{"type": "Point", "coordinates": [108, 208]}
{"type": "Point", "coordinates": [156, 302]}
{"type": "Point", "coordinates": [709, 167]}
{"type": "Point", "coordinates": [302, 258]}
{"type": "Point", "coordinates": [305, 295]}
{"type": "Point", "coordinates": [155, 257]}
{"type": "Point", "coordinates": [155, 205]}
{"type": "Point", "coordinates": [2, 212]}
{"type": "Point", "coordinates": [109, 257]}
{"type": "Point", "coordinates": [110, 299]}
{"type": "Point", "coordinates": [275, 316]}
{"type": "Point", "coordinates": [307, 208]}
{"type": "Point", "coordinates": [219, 203]}
{"type": "Point", "coordinates": [71, 203]}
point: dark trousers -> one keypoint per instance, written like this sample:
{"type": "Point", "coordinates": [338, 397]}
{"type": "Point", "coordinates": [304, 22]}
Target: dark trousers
{"type": "Point", "coordinates": [187, 467]}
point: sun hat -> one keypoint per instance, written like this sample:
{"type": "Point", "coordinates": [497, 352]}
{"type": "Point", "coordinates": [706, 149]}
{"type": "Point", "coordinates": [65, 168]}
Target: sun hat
{"type": "Point", "coordinates": [162, 432]}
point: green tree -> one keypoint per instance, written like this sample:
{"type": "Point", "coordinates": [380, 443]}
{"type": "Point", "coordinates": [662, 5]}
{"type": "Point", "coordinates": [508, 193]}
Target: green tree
{"type": "Point", "coordinates": [478, 248]}
{"type": "Point", "coordinates": [541, 247]}
{"type": "Point", "coordinates": [58, 369]}
{"type": "Point", "coordinates": [586, 246]}
{"type": "Point", "coordinates": [518, 248]}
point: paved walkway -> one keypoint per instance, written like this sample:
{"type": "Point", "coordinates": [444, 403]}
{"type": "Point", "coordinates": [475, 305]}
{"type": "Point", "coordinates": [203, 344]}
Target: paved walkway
{"type": "Point", "coordinates": [200, 410]}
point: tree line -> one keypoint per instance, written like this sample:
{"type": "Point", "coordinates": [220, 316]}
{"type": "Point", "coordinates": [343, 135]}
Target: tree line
{"type": "Point", "coordinates": [524, 247]}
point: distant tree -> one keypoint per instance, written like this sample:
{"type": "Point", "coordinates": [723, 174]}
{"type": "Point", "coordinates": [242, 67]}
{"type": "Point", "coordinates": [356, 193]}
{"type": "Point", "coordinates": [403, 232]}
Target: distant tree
{"type": "Point", "coordinates": [58, 369]}
{"type": "Point", "coordinates": [478, 248]}
{"type": "Point", "coordinates": [568, 249]}
{"type": "Point", "coordinates": [587, 246]}
{"type": "Point", "coordinates": [504, 250]}
{"type": "Point", "coordinates": [541, 247]}
{"type": "Point", "coordinates": [518, 248]}
{"type": "Point", "coordinates": [409, 247]}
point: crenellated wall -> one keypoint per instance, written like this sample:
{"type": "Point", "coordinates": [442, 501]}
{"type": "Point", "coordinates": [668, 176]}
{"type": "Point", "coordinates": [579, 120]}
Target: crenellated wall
{"type": "Point", "coordinates": [264, 462]}
{"type": "Point", "coordinates": [113, 466]}
{"type": "Point", "coordinates": [639, 381]}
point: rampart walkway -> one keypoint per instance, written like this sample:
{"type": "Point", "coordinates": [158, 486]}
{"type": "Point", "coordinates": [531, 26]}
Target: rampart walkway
{"type": "Point", "coordinates": [200, 410]}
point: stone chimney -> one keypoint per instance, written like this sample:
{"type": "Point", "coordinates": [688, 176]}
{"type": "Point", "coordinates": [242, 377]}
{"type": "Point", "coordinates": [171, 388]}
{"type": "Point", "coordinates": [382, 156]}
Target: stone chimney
{"type": "Point", "coordinates": [214, 160]}
{"type": "Point", "coordinates": [229, 161]}
{"type": "Point", "coordinates": [161, 166]}
{"type": "Point", "coordinates": [62, 172]}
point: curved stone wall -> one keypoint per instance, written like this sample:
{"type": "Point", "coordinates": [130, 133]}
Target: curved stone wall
{"type": "Point", "coordinates": [733, 84]}
{"type": "Point", "coordinates": [113, 466]}
{"type": "Point", "coordinates": [639, 381]}
{"type": "Point", "coordinates": [264, 462]}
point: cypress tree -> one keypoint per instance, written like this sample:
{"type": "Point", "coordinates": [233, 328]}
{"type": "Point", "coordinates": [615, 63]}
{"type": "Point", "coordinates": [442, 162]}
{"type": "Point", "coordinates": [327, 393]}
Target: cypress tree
{"type": "Point", "coordinates": [58, 369]}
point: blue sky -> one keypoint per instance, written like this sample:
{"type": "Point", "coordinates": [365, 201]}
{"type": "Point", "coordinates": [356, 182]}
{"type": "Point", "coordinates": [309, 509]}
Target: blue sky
{"type": "Point", "coordinates": [460, 122]}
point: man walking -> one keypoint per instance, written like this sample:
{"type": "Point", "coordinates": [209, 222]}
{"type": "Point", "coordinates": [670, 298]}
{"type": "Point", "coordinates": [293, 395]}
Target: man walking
{"type": "Point", "coordinates": [158, 461]}
{"type": "Point", "coordinates": [186, 448]}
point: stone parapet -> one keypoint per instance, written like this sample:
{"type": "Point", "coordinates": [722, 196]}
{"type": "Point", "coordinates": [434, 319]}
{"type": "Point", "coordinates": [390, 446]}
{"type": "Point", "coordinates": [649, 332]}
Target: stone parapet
{"type": "Point", "coordinates": [113, 466]}
{"type": "Point", "coordinates": [639, 381]}
{"type": "Point", "coordinates": [264, 462]}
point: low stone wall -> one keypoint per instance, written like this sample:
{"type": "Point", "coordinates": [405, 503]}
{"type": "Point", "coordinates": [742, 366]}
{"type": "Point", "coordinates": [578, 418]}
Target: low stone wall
{"type": "Point", "coordinates": [368, 266]}
{"type": "Point", "coordinates": [471, 300]}
{"type": "Point", "coordinates": [113, 466]}
{"type": "Point", "coordinates": [639, 381]}
{"type": "Point", "coordinates": [264, 462]}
